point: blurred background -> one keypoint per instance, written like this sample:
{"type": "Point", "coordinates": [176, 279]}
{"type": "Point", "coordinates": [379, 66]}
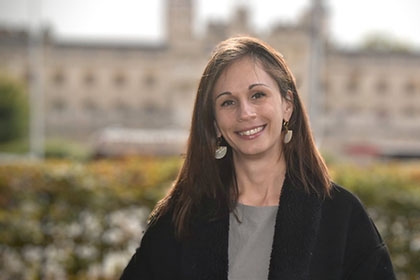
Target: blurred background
{"type": "Point", "coordinates": [120, 76]}
{"type": "Point", "coordinates": [96, 99]}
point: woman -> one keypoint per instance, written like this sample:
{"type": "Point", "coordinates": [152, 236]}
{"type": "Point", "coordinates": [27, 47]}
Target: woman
{"type": "Point", "coordinates": [253, 199]}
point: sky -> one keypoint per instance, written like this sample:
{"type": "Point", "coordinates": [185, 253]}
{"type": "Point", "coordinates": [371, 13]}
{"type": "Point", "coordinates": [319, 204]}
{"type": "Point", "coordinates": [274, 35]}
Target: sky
{"type": "Point", "coordinates": [143, 20]}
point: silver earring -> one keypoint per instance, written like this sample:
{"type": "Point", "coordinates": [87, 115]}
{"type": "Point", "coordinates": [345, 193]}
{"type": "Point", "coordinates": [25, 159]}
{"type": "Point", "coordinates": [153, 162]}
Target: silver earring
{"type": "Point", "coordinates": [220, 150]}
{"type": "Point", "coordinates": [289, 133]}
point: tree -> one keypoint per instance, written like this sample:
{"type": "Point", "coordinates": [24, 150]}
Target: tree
{"type": "Point", "coordinates": [13, 110]}
{"type": "Point", "coordinates": [385, 43]}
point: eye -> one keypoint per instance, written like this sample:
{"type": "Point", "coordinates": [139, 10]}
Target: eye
{"type": "Point", "coordinates": [258, 95]}
{"type": "Point", "coordinates": [227, 103]}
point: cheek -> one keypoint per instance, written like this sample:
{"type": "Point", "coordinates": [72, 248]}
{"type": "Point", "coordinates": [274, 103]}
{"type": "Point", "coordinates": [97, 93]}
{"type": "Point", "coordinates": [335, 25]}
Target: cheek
{"type": "Point", "coordinates": [223, 116]}
{"type": "Point", "coordinates": [221, 122]}
{"type": "Point", "coordinates": [272, 112]}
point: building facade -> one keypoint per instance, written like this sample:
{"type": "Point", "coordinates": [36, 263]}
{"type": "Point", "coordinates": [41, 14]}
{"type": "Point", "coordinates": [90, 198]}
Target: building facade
{"type": "Point", "coordinates": [368, 103]}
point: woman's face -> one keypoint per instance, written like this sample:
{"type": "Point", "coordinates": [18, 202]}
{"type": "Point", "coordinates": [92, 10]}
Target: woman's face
{"type": "Point", "coordinates": [249, 109]}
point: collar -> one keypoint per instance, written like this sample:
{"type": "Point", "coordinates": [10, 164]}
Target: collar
{"type": "Point", "coordinates": [205, 255]}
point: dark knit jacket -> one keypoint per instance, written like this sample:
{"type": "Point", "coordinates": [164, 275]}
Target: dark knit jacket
{"type": "Point", "coordinates": [314, 238]}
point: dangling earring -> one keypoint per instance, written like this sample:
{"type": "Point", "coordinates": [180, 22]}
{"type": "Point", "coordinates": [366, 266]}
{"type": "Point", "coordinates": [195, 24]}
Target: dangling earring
{"type": "Point", "coordinates": [289, 133]}
{"type": "Point", "coordinates": [220, 150]}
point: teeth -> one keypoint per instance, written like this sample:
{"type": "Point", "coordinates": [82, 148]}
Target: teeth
{"type": "Point", "coordinates": [251, 131]}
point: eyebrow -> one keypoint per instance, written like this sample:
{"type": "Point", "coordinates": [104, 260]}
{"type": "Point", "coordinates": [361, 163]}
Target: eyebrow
{"type": "Point", "coordinates": [256, 85]}
{"type": "Point", "coordinates": [249, 88]}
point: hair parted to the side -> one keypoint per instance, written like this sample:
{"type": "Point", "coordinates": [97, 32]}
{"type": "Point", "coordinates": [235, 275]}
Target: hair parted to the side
{"type": "Point", "coordinates": [207, 187]}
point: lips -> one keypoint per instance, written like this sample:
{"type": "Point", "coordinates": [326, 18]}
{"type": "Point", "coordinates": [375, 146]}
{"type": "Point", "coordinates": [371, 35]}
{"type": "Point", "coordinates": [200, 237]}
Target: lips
{"type": "Point", "coordinates": [251, 132]}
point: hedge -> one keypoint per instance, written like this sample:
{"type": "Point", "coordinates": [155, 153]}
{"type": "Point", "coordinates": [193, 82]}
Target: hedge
{"type": "Point", "coordinates": [69, 220]}
{"type": "Point", "coordinates": [83, 220]}
{"type": "Point", "coordinates": [391, 193]}
{"type": "Point", "coordinates": [13, 109]}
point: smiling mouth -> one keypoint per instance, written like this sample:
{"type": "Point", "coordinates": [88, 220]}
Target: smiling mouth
{"type": "Point", "coordinates": [252, 131]}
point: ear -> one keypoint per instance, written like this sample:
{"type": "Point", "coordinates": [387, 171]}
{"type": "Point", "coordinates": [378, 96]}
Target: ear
{"type": "Point", "coordinates": [216, 127]}
{"type": "Point", "coordinates": [288, 106]}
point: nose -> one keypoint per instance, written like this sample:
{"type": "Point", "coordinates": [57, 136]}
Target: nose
{"type": "Point", "coordinates": [246, 112]}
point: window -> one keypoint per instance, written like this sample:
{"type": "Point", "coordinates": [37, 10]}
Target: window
{"type": "Point", "coordinates": [382, 113]}
{"type": "Point", "coordinates": [352, 85]}
{"type": "Point", "coordinates": [58, 78]}
{"type": "Point", "coordinates": [381, 87]}
{"type": "Point", "coordinates": [119, 79]}
{"type": "Point", "coordinates": [151, 108]}
{"type": "Point", "coordinates": [149, 80]}
{"type": "Point", "coordinates": [353, 109]}
{"type": "Point", "coordinates": [89, 78]}
{"type": "Point", "coordinates": [28, 76]}
{"type": "Point", "coordinates": [410, 88]}
{"type": "Point", "coordinates": [409, 111]}
{"type": "Point", "coordinates": [89, 106]}
{"type": "Point", "coordinates": [58, 104]}
{"type": "Point", "coordinates": [121, 107]}
{"type": "Point", "coordinates": [353, 81]}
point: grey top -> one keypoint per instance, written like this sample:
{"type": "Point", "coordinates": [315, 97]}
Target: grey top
{"type": "Point", "coordinates": [250, 241]}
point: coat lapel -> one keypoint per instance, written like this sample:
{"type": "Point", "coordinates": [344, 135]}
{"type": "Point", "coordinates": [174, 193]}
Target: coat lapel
{"type": "Point", "coordinates": [205, 254]}
{"type": "Point", "coordinates": [296, 229]}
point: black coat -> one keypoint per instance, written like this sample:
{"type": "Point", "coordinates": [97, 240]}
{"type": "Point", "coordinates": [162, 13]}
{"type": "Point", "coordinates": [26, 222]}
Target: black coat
{"type": "Point", "coordinates": [314, 238]}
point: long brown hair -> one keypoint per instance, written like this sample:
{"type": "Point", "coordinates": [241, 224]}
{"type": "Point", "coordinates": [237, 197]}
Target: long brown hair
{"type": "Point", "coordinates": [206, 187]}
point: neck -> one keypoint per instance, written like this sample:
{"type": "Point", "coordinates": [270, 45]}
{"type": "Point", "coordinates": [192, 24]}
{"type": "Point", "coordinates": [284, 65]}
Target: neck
{"type": "Point", "coordinates": [260, 180]}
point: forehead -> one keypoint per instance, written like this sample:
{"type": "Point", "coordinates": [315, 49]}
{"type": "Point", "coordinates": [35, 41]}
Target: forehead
{"type": "Point", "coordinates": [241, 74]}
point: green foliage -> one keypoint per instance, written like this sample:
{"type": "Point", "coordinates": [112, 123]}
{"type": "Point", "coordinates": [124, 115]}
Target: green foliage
{"type": "Point", "coordinates": [13, 110]}
{"type": "Point", "coordinates": [64, 149]}
{"type": "Point", "coordinates": [385, 43]}
{"type": "Point", "coordinates": [83, 220]}
{"type": "Point", "coordinates": [391, 194]}
{"type": "Point", "coordinates": [20, 146]}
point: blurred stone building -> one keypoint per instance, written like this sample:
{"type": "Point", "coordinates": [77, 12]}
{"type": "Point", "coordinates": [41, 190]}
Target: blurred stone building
{"type": "Point", "coordinates": [368, 102]}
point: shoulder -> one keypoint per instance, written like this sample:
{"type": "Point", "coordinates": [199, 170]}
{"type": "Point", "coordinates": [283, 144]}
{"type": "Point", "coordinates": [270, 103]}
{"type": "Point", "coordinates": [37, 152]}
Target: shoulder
{"type": "Point", "coordinates": [348, 233]}
{"type": "Point", "coordinates": [342, 198]}
{"type": "Point", "coordinates": [156, 256]}
{"type": "Point", "coordinates": [159, 242]}
{"type": "Point", "coordinates": [160, 227]}
{"type": "Point", "coordinates": [340, 193]}
{"type": "Point", "coordinates": [346, 209]}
